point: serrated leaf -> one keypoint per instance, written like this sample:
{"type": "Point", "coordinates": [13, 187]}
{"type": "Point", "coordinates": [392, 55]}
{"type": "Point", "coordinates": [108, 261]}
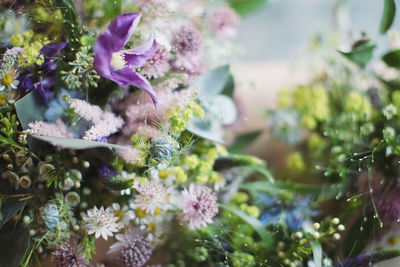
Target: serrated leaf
{"type": "Point", "coordinates": [78, 144]}
{"type": "Point", "coordinates": [361, 55]}
{"type": "Point", "coordinates": [392, 58]}
{"type": "Point", "coordinates": [258, 226]}
{"type": "Point", "coordinates": [388, 14]}
{"type": "Point", "coordinates": [14, 243]}
{"type": "Point", "coordinates": [243, 141]}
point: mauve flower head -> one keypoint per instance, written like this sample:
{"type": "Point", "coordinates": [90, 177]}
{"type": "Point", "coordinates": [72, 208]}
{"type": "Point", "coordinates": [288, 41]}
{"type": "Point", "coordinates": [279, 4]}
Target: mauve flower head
{"type": "Point", "coordinates": [133, 249]}
{"type": "Point", "coordinates": [187, 42]}
{"type": "Point", "coordinates": [67, 255]}
{"type": "Point", "coordinates": [152, 195]}
{"type": "Point", "coordinates": [389, 206]}
{"type": "Point", "coordinates": [199, 206]}
{"type": "Point", "coordinates": [224, 22]}
{"type": "Point", "coordinates": [158, 64]}
{"type": "Point", "coordinates": [118, 65]}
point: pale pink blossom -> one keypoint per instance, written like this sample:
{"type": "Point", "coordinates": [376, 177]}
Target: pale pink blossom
{"type": "Point", "coordinates": [224, 22]}
{"type": "Point", "coordinates": [130, 155]}
{"type": "Point", "coordinates": [57, 129]}
{"type": "Point", "coordinates": [91, 113]}
{"type": "Point", "coordinates": [152, 195]}
{"type": "Point", "coordinates": [107, 125]}
{"type": "Point", "coordinates": [158, 65]}
{"type": "Point", "coordinates": [101, 222]}
{"type": "Point", "coordinates": [199, 206]}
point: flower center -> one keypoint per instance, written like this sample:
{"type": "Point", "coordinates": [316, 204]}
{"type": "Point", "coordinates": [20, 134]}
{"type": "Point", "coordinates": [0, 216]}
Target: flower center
{"type": "Point", "coordinates": [7, 80]}
{"type": "Point", "coordinates": [118, 61]}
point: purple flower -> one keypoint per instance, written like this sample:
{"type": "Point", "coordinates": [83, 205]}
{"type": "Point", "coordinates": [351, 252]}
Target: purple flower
{"type": "Point", "coordinates": [199, 206]}
{"type": "Point", "coordinates": [133, 249]}
{"type": "Point", "coordinates": [50, 52]}
{"type": "Point", "coordinates": [389, 206]}
{"type": "Point", "coordinates": [67, 255]}
{"type": "Point", "coordinates": [118, 65]}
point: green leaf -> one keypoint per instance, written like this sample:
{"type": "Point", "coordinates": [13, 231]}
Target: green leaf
{"type": "Point", "coordinates": [322, 191]}
{"type": "Point", "coordinates": [360, 55]}
{"type": "Point", "coordinates": [392, 58]}
{"type": "Point", "coordinates": [213, 82]}
{"type": "Point", "coordinates": [389, 11]}
{"type": "Point", "coordinates": [257, 225]}
{"type": "Point", "coordinates": [73, 143]}
{"type": "Point", "coordinates": [245, 7]}
{"type": "Point", "coordinates": [222, 109]}
{"type": "Point", "coordinates": [206, 128]}
{"type": "Point", "coordinates": [361, 232]}
{"type": "Point", "coordinates": [9, 208]}
{"type": "Point", "coordinates": [30, 109]}
{"type": "Point", "coordinates": [317, 253]}
{"type": "Point", "coordinates": [13, 244]}
{"type": "Point", "coordinates": [112, 8]}
{"type": "Point", "coordinates": [71, 22]}
{"type": "Point", "coordinates": [243, 141]}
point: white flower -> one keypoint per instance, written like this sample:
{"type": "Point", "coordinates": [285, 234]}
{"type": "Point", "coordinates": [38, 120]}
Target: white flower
{"type": "Point", "coordinates": [9, 81]}
{"type": "Point", "coordinates": [152, 196]}
{"type": "Point", "coordinates": [101, 222]}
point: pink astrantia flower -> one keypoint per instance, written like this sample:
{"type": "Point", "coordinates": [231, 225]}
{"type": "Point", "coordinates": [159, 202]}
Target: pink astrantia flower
{"type": "Point", "coordinates": [67, 254]}
{"type": "Point", "coordinates": [157, 65]}
{"type": "Point", "coordinates": [199, 206]}
{"type": "Point", "coordinates": [101, 222]}
{"type": "Point", "coordinates": [152, 195]}
{"type": "Point", "coordinates": [41, 128]}
{"type": "Point", "coordinates": [224, 22]}
{"type": "Point", "coordinates": [132, 249]}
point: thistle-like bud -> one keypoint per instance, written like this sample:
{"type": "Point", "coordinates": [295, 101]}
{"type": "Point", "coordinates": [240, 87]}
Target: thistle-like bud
{"type": "Point", "coordinates": [161, 149]}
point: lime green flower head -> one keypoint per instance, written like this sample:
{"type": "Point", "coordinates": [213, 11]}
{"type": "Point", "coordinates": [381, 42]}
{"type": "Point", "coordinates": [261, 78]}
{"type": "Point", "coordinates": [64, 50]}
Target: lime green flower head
{"type": "Point", "coordinates": [295, 162]}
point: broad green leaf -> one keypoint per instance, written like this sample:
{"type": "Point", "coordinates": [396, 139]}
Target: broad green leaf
{"type": "Point", "coordinates": [30, 109]}
{"type": "Point", "coordinates": [361, 55]}
{"type": "Point", "coordinates": [213, 82]}
{"type": "Point", "coordinates": [206, 128]}
{"type": "Point", "coordinates": [245, 7]}
{"type": "Point", "coordinates": [322, 191]}
{"type": "Point", "coordinates": [223, 109]}
{"type": "Point", "coordinates": [243, 141]}
{"type": "Point", "coordinates": [392, 58]}
{"type": "Point", "coordinates": [389, 11]}
{"type": "Point", "coordinates": [258, 226]}
{"type": "Point", "coordinates": [78, 144]}
{"type": "Point", "coordinates": [10, 207]}
{"type": "Point", "coordinates": [14, 243]}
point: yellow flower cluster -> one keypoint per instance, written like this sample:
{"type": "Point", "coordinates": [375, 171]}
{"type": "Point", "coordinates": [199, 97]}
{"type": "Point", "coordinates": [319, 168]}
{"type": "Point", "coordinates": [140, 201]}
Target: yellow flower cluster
{"type": "Point", "coordinates": [295, 162]}
{"type": "Point", "coordinates": [31, 54]}
{"type": "Point", "coordinates": [178, 116]}
{"type": "Point", "coordinates": [359, 104]}
{"type": "Point", "coordinates": [311, 102]}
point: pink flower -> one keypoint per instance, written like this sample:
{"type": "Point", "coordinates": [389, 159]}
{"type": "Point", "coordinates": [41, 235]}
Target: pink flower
{"type": "Point", "coordinates": [199, 206]}
{"type": "Point", "coordinates": [41, 128]}
{"type": "Point", "coordinates": [224, 22]}
{"type": "Point", "coordinates": [158, 64]}
{"type": "Point", "coordinates": [152, 195]}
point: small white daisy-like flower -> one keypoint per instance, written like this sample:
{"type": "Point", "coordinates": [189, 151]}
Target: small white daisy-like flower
{"type": "Point", "coordinates": [162, 174]}
{"type": "Point", "coordinates": [9, 81]}
{"type": "Point", "coordinates": [101, 222]}
{"type": "Point", "coordinates": [152, 196]}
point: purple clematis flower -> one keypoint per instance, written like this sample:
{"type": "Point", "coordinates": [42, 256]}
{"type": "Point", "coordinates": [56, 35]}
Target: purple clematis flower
{"type": "Point", "coordinates": [118, 65]}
